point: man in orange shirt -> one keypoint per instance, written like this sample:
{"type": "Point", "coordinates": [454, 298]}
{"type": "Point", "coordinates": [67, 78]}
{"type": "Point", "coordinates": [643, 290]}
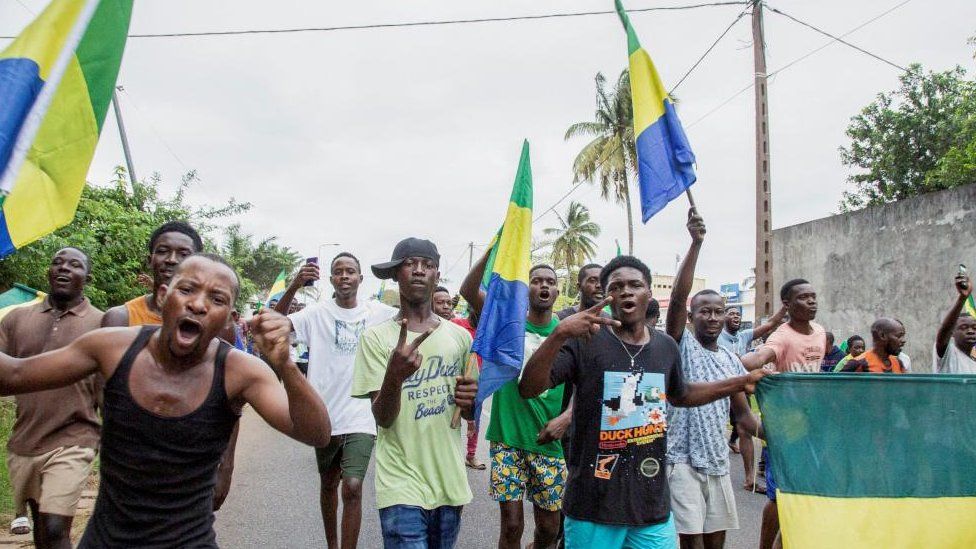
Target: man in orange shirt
{"type": "Point", "coordinates": [888, 337]}
{"type": "Point", "coordinates": [169, 245]}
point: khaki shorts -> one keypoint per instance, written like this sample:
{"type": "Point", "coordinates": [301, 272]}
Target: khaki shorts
{"type": "Point", "coordinates": [701, 503]}
{"type": "Point", "coordinates": [54, 480]}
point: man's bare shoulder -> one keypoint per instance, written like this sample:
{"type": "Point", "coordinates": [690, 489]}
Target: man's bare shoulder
{"type": "Point", "coordinates": [116, 316]}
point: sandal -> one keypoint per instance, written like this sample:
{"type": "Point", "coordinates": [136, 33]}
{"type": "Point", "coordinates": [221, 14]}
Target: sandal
{"type": "Point", "coordinates": [20, 526]}
{"type": "Point", "coordinates": [473, 463]}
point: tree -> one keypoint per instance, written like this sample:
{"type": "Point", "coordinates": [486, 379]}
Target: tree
{"type": "Point", "coordinates": [257, 265]}
{"type": "Point", "coordinates": [112, 225]}
{"type": "Point", "coordinates": [610, 157]}
{"type": "Point", "coordinates": [916, 139]}
{"type": "Point", "coordinates": [573, 241]}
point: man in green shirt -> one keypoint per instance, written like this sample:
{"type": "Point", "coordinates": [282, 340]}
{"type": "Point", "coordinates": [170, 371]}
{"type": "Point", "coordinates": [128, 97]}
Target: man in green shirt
{"type": "Point", "coordinates": [526, 454]}
{"type": "Point", "coordinates": [412, 369]}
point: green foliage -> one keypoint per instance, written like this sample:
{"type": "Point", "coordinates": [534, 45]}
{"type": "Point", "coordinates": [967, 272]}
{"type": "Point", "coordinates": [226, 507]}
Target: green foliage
{"type": "Point", "coordinates": [572, 243]}
{"type": "Point", "coordinates": [8, 413]}
{"type": "Point", "coordinates": [610, 157]}
{"type": "Point", "coordinates": [113, 224]}
{"type": "Point", "coordinates": [257, 265]}
{"type": "Point", "coordinates": [918, 138]}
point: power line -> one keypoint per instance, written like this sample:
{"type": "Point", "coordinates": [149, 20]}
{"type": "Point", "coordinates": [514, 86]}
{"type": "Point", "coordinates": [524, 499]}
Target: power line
{"type": "Point", "coordinates": [427, 23]}
{"type": "Point", "coordinates": [710, 48]}
{"type": "Point", "coordinates": [797, 60]}
{"type": "Point", "coordinates": [578, 185]}
{"type": "Point", "coordinates": [837, 38]}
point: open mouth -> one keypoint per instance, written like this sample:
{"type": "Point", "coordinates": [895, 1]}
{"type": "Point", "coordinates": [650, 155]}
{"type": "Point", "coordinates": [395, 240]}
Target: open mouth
{"type": "Point", "coordinates": [62, 279]}
{"type": "Point", "coordinates": [188, 331]}
{"type": "Point", "coordinates": [544, 295]}
{"type": "Point", "coordinates": [628, 306]}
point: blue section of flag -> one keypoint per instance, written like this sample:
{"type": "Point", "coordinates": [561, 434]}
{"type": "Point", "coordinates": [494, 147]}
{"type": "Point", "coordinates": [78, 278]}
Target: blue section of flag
{"type": "Point", "coordinates": [665, 162]}
{"type": "Point", "coordinates": [20, 82]}
{"type": "Point", "coordinates": [500, 339]}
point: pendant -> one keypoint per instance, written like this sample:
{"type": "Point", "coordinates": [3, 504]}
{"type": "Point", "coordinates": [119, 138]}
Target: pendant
{"type": "Point", "coordinates": [631, 363]}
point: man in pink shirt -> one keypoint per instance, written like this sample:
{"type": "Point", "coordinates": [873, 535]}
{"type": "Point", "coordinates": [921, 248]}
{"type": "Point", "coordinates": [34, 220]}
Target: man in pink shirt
{"type": "Point", "coordinates": [797, 346]}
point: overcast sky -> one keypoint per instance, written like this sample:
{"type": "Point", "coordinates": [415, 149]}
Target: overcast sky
{"type": "Point", "coordinates": [364, 137]}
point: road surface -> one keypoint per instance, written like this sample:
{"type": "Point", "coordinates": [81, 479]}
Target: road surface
{"type": "Point", "coordinates": [273, 501]}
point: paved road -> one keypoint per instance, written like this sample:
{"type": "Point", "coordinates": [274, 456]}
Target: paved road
{"type": "Point", "coordinates": [274, 500]}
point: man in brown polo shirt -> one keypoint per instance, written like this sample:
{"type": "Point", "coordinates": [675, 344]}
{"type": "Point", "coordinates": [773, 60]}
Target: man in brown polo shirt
{"type": "Point", "coordinates": [55, 436]}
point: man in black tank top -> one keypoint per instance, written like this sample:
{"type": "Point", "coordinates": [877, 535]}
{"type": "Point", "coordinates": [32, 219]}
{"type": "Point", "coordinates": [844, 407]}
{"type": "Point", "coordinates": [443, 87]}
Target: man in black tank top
{"type": "Point", "coordinates": [172, 396]}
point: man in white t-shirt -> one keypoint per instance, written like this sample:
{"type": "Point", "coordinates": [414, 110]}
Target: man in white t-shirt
{"type": "Point", "coordinates": [953, 353]}
{"type": "Point", "coordinates": [331, 331]}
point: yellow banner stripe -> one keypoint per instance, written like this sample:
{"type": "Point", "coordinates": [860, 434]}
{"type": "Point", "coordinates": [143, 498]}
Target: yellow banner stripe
{"type": "Point", "coordinates": [816, 522]}
{"type": "Point", "coordinates": [44, 39]}
{"type": "Point", "coordinates": [647, 90]}
{"type": "Point", "coordinates": [50, 181]}
{"type": "Point", "coordinates": [514, 248]}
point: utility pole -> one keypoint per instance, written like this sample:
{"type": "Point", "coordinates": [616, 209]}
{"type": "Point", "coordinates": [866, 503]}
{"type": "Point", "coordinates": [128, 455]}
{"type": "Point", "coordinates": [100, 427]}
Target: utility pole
{"type": "Point", "coordinates": [470, 255]}
{"type": "Point", "coordinates": [764, 235]}
{"type": "Point", "coordinates": [125, 140]}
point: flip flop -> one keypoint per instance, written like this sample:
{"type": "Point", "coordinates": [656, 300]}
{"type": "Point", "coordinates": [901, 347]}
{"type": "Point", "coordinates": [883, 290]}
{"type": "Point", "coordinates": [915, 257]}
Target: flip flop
{"type": "Point", "coordinates": [473, 463]}
{"type": "Point", "coordinates": [20, 526]}
{"type": "Point", "coordinates": [755, 488]}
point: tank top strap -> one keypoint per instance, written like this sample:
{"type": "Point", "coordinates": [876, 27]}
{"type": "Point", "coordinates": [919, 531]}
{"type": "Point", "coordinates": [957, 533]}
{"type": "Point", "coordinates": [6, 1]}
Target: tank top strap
{"type": "Point", "coordinates": [137, 345]}
{"type": "Point", "coordinates": [219, 387]}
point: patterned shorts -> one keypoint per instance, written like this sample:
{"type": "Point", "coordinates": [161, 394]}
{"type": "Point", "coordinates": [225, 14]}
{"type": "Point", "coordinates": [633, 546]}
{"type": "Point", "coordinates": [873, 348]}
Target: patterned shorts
{"type": "Point", "coordinates": [514, 469]}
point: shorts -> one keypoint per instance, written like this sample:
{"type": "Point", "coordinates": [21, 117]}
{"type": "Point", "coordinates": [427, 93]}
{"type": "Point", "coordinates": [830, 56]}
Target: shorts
{"type": "Point", "coordinates": [770, 479]}
{"type": "Point", "coordinates": [581, 534]}
{"type": "Point", "coordinates": [514, 469]}
{"type": "Point", "coordinates": [352, 450]}
{"type": "Point", "coordinates": [700, 503]}
{"type": "Point", "coordinates": [54, 479]}
{"type": "Point", "coordinates": [410, 527]}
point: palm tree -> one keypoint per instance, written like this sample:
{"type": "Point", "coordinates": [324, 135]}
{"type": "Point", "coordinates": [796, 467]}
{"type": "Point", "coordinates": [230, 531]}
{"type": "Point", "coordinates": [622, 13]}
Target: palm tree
{"type": "Point", "coordinates": [573, 240]}
{"type": "Point", "coordinates": [610, 157]}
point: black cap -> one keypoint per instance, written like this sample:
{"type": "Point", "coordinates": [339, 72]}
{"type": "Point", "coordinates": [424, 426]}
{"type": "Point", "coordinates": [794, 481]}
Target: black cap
{"type": "Point", "coordinates": [408, 247]}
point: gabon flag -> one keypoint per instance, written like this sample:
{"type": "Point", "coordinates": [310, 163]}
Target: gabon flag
{"type": "Point", "coordinates": [867, 461]}
{"type": "Point", "coordinates": [665, 163]}
{"type": "Point", "coordinates": [500, 338]}
{"type": "Point", "coordinates": [56, 81]}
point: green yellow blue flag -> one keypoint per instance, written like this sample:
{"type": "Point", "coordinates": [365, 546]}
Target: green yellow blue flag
{"type": "Point", "coordinates": [56, 81]}
{"type": "Point", "coordinates": [278, 288]}
{"type": "Point", "coordinates": [971, 306]}
{"type": "Point", "coordinates": [665, 163]}
{"type": "Point", "coordinates": [865, 461]}
{"type": "Point", "coordinates": [500, 339]}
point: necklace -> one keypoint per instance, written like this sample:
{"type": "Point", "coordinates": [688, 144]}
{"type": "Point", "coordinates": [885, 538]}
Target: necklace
{"type": "Point", "coordinates": [633, 357]}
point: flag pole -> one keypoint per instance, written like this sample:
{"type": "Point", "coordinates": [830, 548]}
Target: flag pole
{"type": "Point", "coordinates": [125, 139]}
{"type": "Point", "coordinates": [691, 199]}
{"type": "Point", "coordinates": [472, 364]}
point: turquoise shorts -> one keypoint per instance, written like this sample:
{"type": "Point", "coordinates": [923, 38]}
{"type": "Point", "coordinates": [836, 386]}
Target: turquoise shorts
{"type": "Point", "coordinates": [583, 534]}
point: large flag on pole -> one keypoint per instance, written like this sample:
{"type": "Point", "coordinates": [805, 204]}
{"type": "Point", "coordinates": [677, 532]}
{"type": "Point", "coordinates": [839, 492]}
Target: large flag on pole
{"type": "Point", "coordinates": [56, 81]}
{"type": "Point", "coordinates": [665, 163]}
{"type": "Point", "coordinates": [500, 339]}
{"type": "Point", "coordinates": [873, 460]}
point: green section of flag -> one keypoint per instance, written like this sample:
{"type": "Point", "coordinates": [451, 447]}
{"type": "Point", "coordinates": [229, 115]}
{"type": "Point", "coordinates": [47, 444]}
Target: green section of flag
{"type": "Point", "coordinates": [632, 43]}
{"type": "Point", "coordinates": [100, 52]}
{"type": "Point", "coordinates": [871, 435]}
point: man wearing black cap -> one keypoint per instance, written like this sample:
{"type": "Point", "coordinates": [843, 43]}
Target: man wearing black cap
{"type": "Point", "coordinates": [411, 367]}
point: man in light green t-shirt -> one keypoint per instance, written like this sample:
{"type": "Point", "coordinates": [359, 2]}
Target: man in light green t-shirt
{"type": "Point", "coordinates": [526, 453]}
{"type": "Point", "coordinates": [412, 368]}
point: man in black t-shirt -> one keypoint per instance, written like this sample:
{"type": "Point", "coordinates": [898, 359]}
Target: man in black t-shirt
{"type": "Point", "coordinates": [622, 373]}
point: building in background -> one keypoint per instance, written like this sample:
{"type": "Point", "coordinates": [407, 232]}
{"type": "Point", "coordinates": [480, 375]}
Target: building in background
{"type": "Point", "coordinates": [661, 285]}
{"type": "Point", "coordinates": [742, 295]}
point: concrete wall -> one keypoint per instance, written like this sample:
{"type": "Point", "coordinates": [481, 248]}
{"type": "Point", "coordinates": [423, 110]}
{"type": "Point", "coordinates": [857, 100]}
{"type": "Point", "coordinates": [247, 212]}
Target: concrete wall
{"type": "Point", "coordinates": [894, 260]}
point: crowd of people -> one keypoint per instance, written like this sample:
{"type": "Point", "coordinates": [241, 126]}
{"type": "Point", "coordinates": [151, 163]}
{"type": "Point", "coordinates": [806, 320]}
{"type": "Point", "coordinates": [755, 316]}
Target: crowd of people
{"type": "Point", "coordinates": [615, 431]}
